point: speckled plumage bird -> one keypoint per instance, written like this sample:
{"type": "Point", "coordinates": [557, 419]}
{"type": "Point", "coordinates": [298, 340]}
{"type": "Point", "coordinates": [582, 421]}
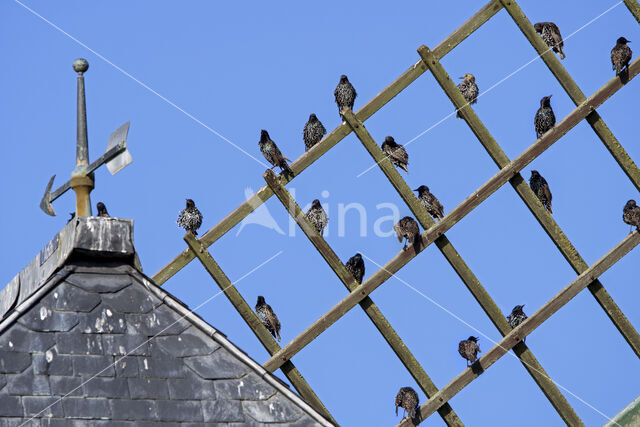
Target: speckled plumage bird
{"type": "Point", "coordinates": [313, 132]}
{"type": "Point", "coordinates": [271, 152]}
{"type": "Point", "coordinates": [430, 202]}
{"type": "Point", "coordinates": [345, 94]}
{"type": "Point", "coordinates": [407, 399]}
{"type": "Point", "coordinates": [540, 187]}
{"type": "Point", "coordinates": [317, 216]}
{"type": "Point", "coordinates": [469, 349]}
{"type": "Point", "coordinates": [190, 218]}
{"type": "Point", "coordinates": [620, 55]}
{"type": "Point", "coordinates": [396, 153]}
{"type": "Point", "coordinates": [544, 119]}
{"type": "Point", "coordinates": [407, 228]}
{"type": "Point", "coordinates": [102, 210]}
{"type": "Point", "coordinates": [469, 89]}
{"type": "Point", "coordinates": [268, 317]}
{"type": "Point", "coordinates": [631, 214]}
{"type": "Point", "coordinates": [355, 266]}
{"type": "Point", "coordinates": [550, 33]}
{"type": "Point", "coordinates": [517, 316]}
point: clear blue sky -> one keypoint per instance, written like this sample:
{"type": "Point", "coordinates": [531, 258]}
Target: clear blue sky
{"type": "Point", "coordinates": [239, 68]}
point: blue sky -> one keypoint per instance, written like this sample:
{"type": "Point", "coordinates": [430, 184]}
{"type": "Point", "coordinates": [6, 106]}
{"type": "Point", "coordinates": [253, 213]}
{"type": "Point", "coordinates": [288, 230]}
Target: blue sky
{"type": "Point", "coordinates": [238, 68]}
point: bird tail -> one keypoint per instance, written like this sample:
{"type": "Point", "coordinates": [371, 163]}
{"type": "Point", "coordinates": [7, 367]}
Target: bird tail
{"type": "Point", "coordinates": [412, 413]}
{"type": "Point", "coordinates": [403, 166]}
{"type": "Point", "coordinates": [458, 115]}
{"type": "Point", "coordinates": [562, 56]}
{"type": "Point", "coordinates": [417, 240]}
{"type": "Point", "coordinates": [278, 335]}
{"type": "Point", "coordinates": [549, 208]}
{"type": "Point", "coordinates": [286, 169]}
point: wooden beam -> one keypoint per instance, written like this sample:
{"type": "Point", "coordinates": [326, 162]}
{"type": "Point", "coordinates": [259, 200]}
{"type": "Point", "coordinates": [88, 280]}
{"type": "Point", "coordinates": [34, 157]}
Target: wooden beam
{"type": "Point", "coordinates": [331, 139]}
{"type": "Point", "coordinates": [239, 303]}
{"type": "Point", "coordinates": [487, 303]}
{"type": "Point", "coordinates": [634, 8]}
{"type": "Point", "coordinates": [526, 327]}
{"type": "Point", "coordinates": [552, 229]}
{"type": "Point", "coordinates": [428, 236]}
{"type": "Point", "coordinates": [373, 312]}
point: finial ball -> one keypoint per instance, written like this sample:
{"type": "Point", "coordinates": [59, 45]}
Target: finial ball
{"type": "Point", "coordinates": [80, 65]}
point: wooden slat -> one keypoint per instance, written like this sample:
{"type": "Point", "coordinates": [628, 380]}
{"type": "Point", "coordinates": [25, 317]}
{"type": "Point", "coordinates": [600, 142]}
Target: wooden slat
{"type": "Point", "coordinates": [528, 326]}
{"type": "Point", "coordinates": [552, 229]}
{"type": "Point", "coordinates": [373, 312]}
{"type": "Point", "coordinates": [634, 8]}
{"type": "Point", "coordinates": [331, 139]}
{"type": "Point", "coordinates": [450, 219]}
{"type": "Point", "coordinates": [487, 303]}
{"type": "Point", "coordinates": [239, 303]}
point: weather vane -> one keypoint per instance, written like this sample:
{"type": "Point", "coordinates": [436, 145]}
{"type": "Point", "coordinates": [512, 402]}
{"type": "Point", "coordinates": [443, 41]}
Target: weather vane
{"type": "Point", "coordinates": [82, 179]}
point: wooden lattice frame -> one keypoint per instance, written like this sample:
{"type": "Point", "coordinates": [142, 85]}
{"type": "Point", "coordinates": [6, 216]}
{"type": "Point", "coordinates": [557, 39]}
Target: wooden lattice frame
{"type": "Point", "coordinates": [434, 233]}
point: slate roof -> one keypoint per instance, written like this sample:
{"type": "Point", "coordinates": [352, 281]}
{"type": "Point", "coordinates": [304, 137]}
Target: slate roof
{"type": "Point", "coordinates": [98, 343]}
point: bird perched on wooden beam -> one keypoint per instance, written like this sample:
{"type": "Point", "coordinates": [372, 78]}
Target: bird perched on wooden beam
{"type": "Point", "coordinates": [430, 202]}
{"type": "Point", "coordinates": [190, 218]}
{"type": "Point", "coordinates": [407, 228]}
{"type": "Point", "coordinates": [551, 35]}
{"type": "Point", "coordinates": [273, 155]}
{"type": "Point", "coordinates": [268, 317]}
{"type": "Point", "coordinates": [469, 89]}
{"type": "Point", "coordinates": [631, 215]}
{"type": "Point", "coordinates": [620, 55]}
{"type": "Point", "coordinates": [540, 187]}
{"type": "Point", "coordinates": [517, 316]}
{"type": "Point", "coordinates": [102, 210]}
{"type": "Point", "coordinates": [396, 153]}
{"type": "Point", "coordinates": [544, 119]}
{"type": "Point", "coordinates": [469, 349]}
{"type": "Point", "coordinates": [407, 399]}
{"type": "Point", "coordinates": [355, 266]}
{"type": "Point", "coordinates": [317, 216]}
{"type": "Point", "coordinates": [345, 94]}
{"type": "Point", "coordinates": [313, 132]}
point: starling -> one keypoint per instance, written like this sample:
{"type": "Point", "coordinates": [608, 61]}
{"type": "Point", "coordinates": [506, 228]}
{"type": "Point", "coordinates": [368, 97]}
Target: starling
{"type": "Point", "coordinates": [430, 202]}
{"type": "Point", "coordinates": [355, 266]}
{"type": "Point", "coordinates": [268, 318]}
{"type": "Point", "coordinates": [545, 119]}
{"type": "Point", "coordinates": [407, 399]}
{"type": "Point", "coordinates": [273, 155]}
{"type": "Point", "coordinates": [517, 316]}
{"type": "Point", "coordinates": [631, 214]}
{"type": "Point", "coordinates": [620, 55]}
{"type": "Point", "coordinates": [469, 90]}
{"type": "Point", "coordinates": [469, 349]}
{"type": "Point", "coordinates": [313, 132]}
{"type": "Point", "coordinates": [190, 218]}
{"type": "Point", "coordinates": [539, 186]}
{"type": "Point", "coordinates": [396, 153]}
{"type": "Point", "coordinates": [317, 216]}
{"type": "Point", "coordinates": [72, 215]}
{"type": "Point", "coordinates": [407, 228]}
{"type": "Point", "coordinates": [102, 210]}
{"type": "Point", "coordinates": [551, 35]}
{"type": "Point", "coordinates": [345, 94]}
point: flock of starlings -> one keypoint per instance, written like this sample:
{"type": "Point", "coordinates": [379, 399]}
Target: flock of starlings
{"type": "Point", "coordinates": [345, 94]}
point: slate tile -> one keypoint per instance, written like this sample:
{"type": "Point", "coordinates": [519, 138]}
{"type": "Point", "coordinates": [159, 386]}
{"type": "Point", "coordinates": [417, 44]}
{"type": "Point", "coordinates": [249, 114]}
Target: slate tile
{"type": "Point", "coordinates": [126, 367]}
{"type": "Point", "coordinates": [28, 384]}
{"type": "Point", "coordinates": [160, 364]}
{"type": "Point", "coordinates": [160, 321]}
{"type": "Point", "coordinates": [11, 361]}
{"type": "Point", "coordinates": [191, 342]}
{"type": "Point", "coordinates": [278, 409]}
{"type": "Point", "coordinates": [124, 409]}
{"type": "Point", "coordinates": [148, 388]}
{"type": "Point", "coordinates": [89, 366]}
{"type": "Point", "coordinates": [64, 385]}
{"type": "Point", "coordinates": [67, 297]}
{"type": "Point", "coordinates": [19, 338]}
{"type": "Point", "coordinates": [192, 387]}
{"type": "Point", "coordinates": [78, 343]}
{"type": "Point", "coordinates": [103, 320]}
{"type": "Point", "coordinates": [221, 364]}
{"type": "Point", "coordinates": [222, 410]}
{"type": "Point", "coordinates": [10, 406]}
{"type": "Point", "coordinates": [250, 387]}
{"type": "Point", "coordinates": [52, 363]}
{"type": "Point", "coordinates": [45, 406]}
{"type": "Point", "coordinates": [116, 388]}
{"type": "Point", "coordinates": [86, 408]}
{"type": "Point", "coordinates": [132, 299]}
{"type": "Point", "coordinates": [102, 283]}
{"type": "Point", "coordinates": [180, 410]}
{"type": "Point", "coordinates": [43, 318]}
{"type": "Point", "coordinates": [120, 344]}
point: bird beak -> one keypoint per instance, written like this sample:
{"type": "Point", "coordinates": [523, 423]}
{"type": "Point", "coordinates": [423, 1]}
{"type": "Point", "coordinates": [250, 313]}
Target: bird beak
{"type": "Point", "coordinates": [461, 77]}
{"type": "Point", "coordinates": [550, 96]}
{"type": "Point", "coordinates": [415, 189]}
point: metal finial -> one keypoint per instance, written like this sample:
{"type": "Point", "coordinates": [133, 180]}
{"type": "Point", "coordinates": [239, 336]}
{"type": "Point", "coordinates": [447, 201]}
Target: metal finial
{"type": "Point", "coordinates": [80, 65]}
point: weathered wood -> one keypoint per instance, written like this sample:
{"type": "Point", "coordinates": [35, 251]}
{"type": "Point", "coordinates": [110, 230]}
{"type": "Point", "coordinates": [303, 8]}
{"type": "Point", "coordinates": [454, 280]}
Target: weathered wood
{"type": "Point", "coordinates": [373, 312]}
{"type": "Point", "coordinates": [239, 303]}
{"type": "Point", "coordinates": [449, 220]}
{"type": "Point", "coordinates": [487, 303]}
{"type": "Point", "coordinates": [331, 139]}
{"type": "Point", "coordinates": [552, 229]}
{"type": "Point", "coordinates": [528, 326]}
{"type": "Point", "coordinates": [634, 8]}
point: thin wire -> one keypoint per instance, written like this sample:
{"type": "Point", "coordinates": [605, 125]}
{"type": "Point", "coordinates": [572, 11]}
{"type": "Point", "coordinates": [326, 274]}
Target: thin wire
{"type": "Point", "coordinates": [522, 67]}
{"type": "Point", "coordinates": [147, 341]}
{"type": "Point", "coordinates": [486, 336]}
{"type": "Point", "coordinates": [191, 116]}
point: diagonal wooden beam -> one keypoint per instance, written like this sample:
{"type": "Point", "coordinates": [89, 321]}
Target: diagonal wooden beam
{"type": "Point", "coordinates": [429, 235]}
{"type": "Point", "coordinates": [526, 327]}
{"type": "Point", "coordinates": [239, 303]}
{"type": "Point", "coordinates": [552, 228]}
{"type": "Point", "coordinates": [634, 8]}
{"type": "Point", "coordinates": [330, 140]}
{"type": "Point", "coordinates": [487, 303]}
{"type": "Point", "coordinates": [373, 312]}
